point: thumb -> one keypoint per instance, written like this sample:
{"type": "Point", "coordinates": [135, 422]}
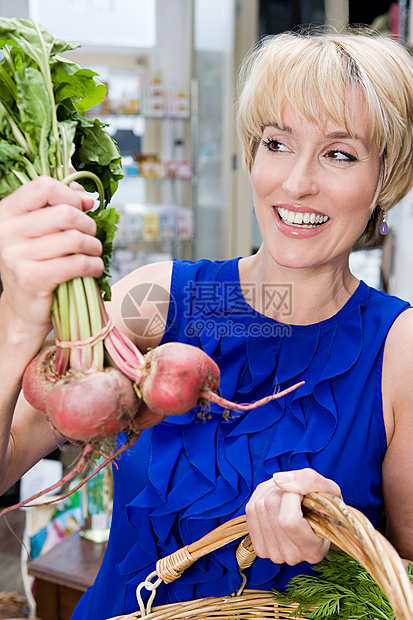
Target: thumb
{"type": "Point", "coordinates": [305, 481]}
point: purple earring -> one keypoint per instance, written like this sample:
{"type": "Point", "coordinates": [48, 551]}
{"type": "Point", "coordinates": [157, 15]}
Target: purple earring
{"type": "Point", "coordinates": [384, 229]}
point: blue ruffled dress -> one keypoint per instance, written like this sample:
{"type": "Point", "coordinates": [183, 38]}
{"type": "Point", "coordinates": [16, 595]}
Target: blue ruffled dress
{"type": "Point", "coordinates": [189, 474]}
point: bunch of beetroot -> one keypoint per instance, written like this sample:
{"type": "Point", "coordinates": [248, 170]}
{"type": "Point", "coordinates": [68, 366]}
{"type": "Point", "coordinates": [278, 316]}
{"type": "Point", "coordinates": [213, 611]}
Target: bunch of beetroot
{"type": "Point", "coordinates": [91, 402]}
{"type": "Point", "coordinates": [94, 383]}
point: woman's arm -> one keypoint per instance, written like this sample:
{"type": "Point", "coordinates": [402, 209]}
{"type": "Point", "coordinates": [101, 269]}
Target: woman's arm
{"type": "Point", "coordinates": [398, 414]}
{"type": "Point", "coordinates": [39, 249]}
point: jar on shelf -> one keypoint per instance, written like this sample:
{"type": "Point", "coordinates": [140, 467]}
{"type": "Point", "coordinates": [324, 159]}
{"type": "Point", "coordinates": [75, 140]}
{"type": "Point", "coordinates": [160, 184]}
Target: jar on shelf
{"type": "Point", "coordinates": [97, 500]}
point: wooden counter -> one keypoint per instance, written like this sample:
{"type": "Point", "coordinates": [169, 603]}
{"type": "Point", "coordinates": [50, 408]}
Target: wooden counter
{"type": "Point", "coordinates": [63, 574]}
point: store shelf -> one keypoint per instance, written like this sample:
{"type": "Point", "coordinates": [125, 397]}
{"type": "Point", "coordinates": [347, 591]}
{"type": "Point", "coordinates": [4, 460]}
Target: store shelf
{"type": "Point", "coordinates": [134, 122]}
{"type": "Point", "coordinates": [157, 198]}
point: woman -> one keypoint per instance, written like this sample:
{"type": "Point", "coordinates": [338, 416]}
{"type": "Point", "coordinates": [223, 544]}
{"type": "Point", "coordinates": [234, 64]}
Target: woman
{"type": "Point", "coordinates": [326, 124]}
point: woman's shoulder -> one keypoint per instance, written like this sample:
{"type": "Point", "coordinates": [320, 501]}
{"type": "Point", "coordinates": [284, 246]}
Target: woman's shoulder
{"type": "Point", "coordinates": [142, 301]}
{"type": "Point", "coordinates": [399, 342]}
{"type": "Point", "coordinates": [397, 376]}
{"type": "Point", "coordinates": [139, 303]}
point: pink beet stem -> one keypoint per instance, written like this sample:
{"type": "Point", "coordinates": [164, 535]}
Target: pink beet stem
{"type": "Point", "coordinates": [122, 350]}
{"type": "Point", "coordinates": [87, 452]}
{"type": "Point", "coordinates": [214, 398]}
{"type": "Point", "coordinates": [123, 345]}
{"type": "Point", "coordinates": [128, 443]}
{"type": "Point", "coordinates": [132, 371]}
{"type": "Point", "coordinates": [128, 347]}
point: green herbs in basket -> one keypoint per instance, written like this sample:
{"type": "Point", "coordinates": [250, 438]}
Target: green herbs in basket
{"type": "Point", "coordinates": [342, 590]}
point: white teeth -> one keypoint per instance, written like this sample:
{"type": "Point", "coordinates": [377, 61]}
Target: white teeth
{"type": "Point", "coordinates": [305, 220]}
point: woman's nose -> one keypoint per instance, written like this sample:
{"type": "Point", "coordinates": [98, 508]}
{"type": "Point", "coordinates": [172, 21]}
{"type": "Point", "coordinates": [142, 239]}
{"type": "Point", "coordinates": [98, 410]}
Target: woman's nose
{"type": "Point", "coordinates": [301, 179]}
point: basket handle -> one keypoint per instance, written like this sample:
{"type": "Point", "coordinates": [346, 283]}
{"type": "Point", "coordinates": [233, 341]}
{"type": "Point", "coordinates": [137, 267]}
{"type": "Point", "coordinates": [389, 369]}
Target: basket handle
{"type": "Point", "coordinates": [330, 518]}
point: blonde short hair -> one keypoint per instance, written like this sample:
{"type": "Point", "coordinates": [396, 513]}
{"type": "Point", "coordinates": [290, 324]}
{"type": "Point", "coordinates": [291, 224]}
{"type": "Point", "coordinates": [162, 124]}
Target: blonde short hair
{"type": "Point", "coordinates": [314, 73]}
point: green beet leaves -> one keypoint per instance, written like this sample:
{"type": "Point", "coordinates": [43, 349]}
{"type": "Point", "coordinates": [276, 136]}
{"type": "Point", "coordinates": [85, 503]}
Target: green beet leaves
{"type": "Point", "coordinates": [43, 128]}
{"type": "Point", "coordinates": [342, 590]}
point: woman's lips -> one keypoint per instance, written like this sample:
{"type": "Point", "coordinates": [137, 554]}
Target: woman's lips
{"type": "Point", "coordinates": [304, 230]}
{"type": "Point", "coordinates": [301, 219]}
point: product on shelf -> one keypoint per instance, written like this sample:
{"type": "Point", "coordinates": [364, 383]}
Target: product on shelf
{"type": "Point", "coordinates": [145, 222]}
{"type": "Point", "coordinates": [168, 222]}
{"type": "Point", "coordinates": [150, 166]}
{"type": "Point", "coordinates": [182, 105]}
{"type": "Point", "coordinates": [185, 223]}
{"type": "Point", "coordinates": [159, 100]}
{"type": "Point", "coordinates": [131, 223]}
{"type": "Point", "coordinates": [176, 169]}
{"type": "Point", "coordinates": [151, 225]}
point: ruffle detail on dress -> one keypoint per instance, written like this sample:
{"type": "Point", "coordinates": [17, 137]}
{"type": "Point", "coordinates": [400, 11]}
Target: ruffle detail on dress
{"type": "Point", "coordinates": [210, 467]}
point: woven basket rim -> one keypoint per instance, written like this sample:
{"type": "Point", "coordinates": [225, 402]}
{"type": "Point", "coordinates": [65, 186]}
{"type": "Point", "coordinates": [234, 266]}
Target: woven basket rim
{"type": "Point", "coordinates": [344, 526]}
{"type": "Point", "coordinates": [248, 604]}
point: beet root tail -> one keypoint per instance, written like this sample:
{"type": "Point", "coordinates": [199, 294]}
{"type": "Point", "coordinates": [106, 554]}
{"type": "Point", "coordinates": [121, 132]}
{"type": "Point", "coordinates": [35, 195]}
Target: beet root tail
{"type": "Point", "coordinates": [227, 404]}
{"type": "Point", "coordinates": [109, 459]}
{"type": "Point", "coordinates": [82, 462]}
{"type": "Point", "coordinates": [84, 459]}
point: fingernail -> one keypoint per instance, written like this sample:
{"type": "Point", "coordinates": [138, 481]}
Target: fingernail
{"type": "Point", "coordinates": [283, 477]}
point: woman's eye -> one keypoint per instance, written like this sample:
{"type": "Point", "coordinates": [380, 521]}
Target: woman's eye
{"type": "Point", "coordinates": [274, 146]}
{"type": "Point", "coordinates": [337, 155]}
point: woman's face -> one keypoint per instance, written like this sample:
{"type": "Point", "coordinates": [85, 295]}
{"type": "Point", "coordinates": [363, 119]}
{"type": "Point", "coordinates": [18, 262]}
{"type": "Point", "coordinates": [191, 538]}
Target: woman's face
{"type": "Point", "coordinates": [313, 187]}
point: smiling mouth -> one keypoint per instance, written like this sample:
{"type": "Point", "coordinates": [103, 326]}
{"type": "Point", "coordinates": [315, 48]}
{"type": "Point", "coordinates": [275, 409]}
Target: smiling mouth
{"type": "Point", "coordinates": [301, 220]}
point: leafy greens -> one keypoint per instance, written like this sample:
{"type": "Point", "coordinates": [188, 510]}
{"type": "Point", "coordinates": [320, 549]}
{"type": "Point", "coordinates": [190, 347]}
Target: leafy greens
{"type": "Point", "coordinates": [43, 128]}
{"type": "Point", "coordinates": [343, 590]}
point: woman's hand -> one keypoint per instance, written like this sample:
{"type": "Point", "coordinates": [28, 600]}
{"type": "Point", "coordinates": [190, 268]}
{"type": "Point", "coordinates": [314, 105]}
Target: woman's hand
{"type": "Point", "coordinates": [275, 520]}
{"type": "Point", "coordinates": [42, 247]}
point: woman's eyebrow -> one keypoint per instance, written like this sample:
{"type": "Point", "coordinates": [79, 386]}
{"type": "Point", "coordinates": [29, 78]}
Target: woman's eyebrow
{"type": "Point", "coordinates": [343, 135]}
{"type": "Point", "coordinates": [280, 127]}
{"type": "Point", "coordinates": [335, 135]}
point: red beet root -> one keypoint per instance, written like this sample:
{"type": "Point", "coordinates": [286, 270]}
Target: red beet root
{"type": "Point", "coordinates": [175, 376]}
{"type": "Point", "coordinates": [92, 406]}
{"type": "Point", "coordinates": [37, 377]}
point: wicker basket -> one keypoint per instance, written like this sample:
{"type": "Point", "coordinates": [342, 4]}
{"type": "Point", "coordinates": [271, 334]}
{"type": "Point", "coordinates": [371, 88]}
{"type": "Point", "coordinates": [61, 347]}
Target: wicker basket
{"type": "Point", "coordinates": [330, 518]}
{"type": "Point", "coordinates": [13, 605]}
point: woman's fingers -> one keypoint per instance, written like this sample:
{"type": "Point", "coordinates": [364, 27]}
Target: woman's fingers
{"type": "Point", "coordinates": [269, 539]}
{"type": "Point", "coordinates": [45, 235]}
{"type": "Point", "coordinates": [46, 221]}
{"type": "Point", "coordinates": [299, 541]}
{"type": "Point", "coordinates": [48, 274]}
{"type": "Point", "coordinates": [55, 245]}
{"type": "Point", "coordinates": [264, 500]}
{"type": "Point", "coordinates": [45, 191]}
{"type": "Point", "coordinates": [303, 481]}
{"type": "Point", "coordinates": [275, 520]}
{"type": "Point", "coordinates": [46, 238]}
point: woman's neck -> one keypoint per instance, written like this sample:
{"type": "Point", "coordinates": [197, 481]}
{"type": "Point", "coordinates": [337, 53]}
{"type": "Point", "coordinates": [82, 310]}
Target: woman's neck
{"type": "Point", "coordinates": [295, 296]}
